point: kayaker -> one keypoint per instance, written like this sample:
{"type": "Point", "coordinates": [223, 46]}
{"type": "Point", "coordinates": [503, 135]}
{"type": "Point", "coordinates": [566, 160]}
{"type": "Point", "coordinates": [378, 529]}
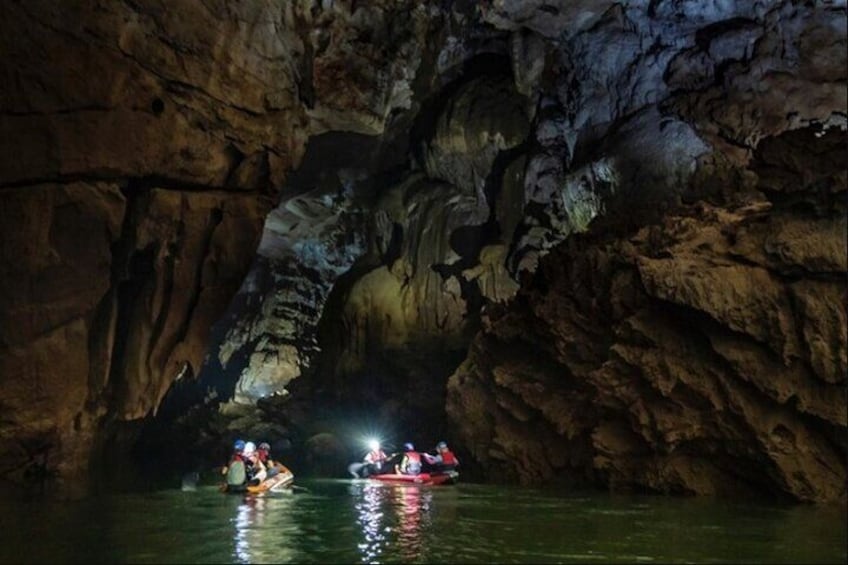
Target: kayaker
{"type": "Point", "coordinates": [411, 462]}
{"type": "Point", "coordinates": [444, 460]}
{"type": "Point", "coordinates": [256, 472]}
{"type": "Point", "coordinates": [263, 452]}
{"type": "Point", "coordinates": [375, 459]}
{"type": "Point", "coordinates": [236, 469]}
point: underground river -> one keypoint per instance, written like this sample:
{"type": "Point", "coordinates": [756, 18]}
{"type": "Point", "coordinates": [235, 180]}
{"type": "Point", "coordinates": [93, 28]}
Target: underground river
{"type": "Point", "coordinates": [361, 521]}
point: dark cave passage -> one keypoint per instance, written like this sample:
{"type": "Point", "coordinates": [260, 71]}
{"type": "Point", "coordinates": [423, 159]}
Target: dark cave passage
{"type": "Point", "coordinates": [312, 276]}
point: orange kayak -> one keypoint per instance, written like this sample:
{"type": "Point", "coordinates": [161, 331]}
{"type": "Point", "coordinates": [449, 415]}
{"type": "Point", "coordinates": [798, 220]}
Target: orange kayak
{"type": "Point", "coordinates": [283, 479]}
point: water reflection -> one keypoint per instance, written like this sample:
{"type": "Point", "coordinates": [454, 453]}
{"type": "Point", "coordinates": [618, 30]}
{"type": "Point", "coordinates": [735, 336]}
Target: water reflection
{"type": "Point", "coordinates": [369, 515]}
{"type": "Point", "coordinates": [412, 505]}
{"type": "Point", "coordinates": [392, 518]}
{"type": "Point", "coordinates": [366, 522]}
{"type": "Point", "coordinates": [249, 517]}
{"type": "Point", "coordinates": [264, 529]}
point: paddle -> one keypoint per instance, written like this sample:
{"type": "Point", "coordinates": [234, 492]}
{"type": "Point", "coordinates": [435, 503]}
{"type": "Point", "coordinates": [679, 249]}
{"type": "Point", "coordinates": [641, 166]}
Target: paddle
{"type": "Point", "coordinates": [355, 468]}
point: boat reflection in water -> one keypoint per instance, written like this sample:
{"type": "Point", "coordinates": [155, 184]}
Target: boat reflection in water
{"type": "Point", "coordinates": [412, 505]}
{"type": "Point", "coordinates": [260, 524]}
{"type": "Point", "coordinates": [391, 515]}
{"type": "Point", "coordinates": [369, 515]}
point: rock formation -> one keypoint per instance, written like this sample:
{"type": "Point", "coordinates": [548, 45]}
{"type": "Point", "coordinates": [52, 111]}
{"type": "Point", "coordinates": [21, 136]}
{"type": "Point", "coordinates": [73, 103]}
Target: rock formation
{"type": "Point", "coordinates": [143, 146]}
{"type": "Point", "coordinates": [704, 354]}
{"type": "Point", "coordinates": [307, 244]}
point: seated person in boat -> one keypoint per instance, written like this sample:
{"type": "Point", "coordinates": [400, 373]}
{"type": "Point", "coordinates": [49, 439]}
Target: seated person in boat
{"type": "Point", "coordinates": [411, 462]}
{"type": "Point", "coordinates": [236, 469]}
{"type": "Point", "coordinates": [263, 453]}
{"type": "Point", "coordinates": [256, 471]}
{"type": "Point", "coordinates": [374, 459]}
{"type": "Point", "coordinates": [444, 460]}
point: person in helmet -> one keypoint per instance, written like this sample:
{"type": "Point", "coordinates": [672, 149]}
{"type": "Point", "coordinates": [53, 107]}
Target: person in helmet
{"type": "Point", "coordinates": [256, 471]}
{"type": "Point", "coordinates": [374, 459]}
{"type": "Point", "coordinates": [374, 462]}
{"type": "Point", "coordinates": [444, 459]}
{"type": "Point", "coordinates": [411, 462]}
{"type": "Point", "coordinates": [263, 453]}
{"type": "Point", "coordinates": [236, 469]}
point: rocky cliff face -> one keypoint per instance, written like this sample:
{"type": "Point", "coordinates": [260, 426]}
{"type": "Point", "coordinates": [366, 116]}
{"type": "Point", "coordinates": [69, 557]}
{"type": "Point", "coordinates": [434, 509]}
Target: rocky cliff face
{"type": "Point", "coordinates": [684, 356]}
{"type": "Point", "coordinates": [136, 176]}
{"type": "Point", "coordinates": [142, 149]}
{"type": "Point", "coordinates": [308, 243]}
{"type": "Point", "coordinates": [704, 354]}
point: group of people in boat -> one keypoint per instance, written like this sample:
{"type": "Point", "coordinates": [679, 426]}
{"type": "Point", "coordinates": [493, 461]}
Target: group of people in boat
{"type": "Point", "coordinates": [249, 465]}
{"type": "Point", "coordinates": [408, 462]}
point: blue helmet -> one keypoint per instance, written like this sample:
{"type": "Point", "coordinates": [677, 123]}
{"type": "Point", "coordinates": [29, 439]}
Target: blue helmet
{"type": "Point", "coordinates": [408, 447]}
{"type": "Point", "coordinates": [239, 445]}
{"type": "Point", "coordinates": [441, 445]}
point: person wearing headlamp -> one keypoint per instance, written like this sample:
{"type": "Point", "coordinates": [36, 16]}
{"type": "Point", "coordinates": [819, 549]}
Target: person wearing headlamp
{"type": "Point", "coordinates": [374, 459]}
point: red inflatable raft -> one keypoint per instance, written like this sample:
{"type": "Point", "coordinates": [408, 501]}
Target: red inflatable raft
{"type": "Point", "coordinates": [440, 478]}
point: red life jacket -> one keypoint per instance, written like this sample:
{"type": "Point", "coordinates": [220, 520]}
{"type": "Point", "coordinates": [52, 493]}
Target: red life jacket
{"type": "Point", "coordinates": [448, 458]}
{"type": "Point", "coordinates": [412, 465]}
{"type": "Point", "coordinates": [262, 454]}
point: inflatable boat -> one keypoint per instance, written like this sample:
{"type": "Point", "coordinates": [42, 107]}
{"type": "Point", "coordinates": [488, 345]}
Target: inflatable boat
{"type": "Point", "coordinates": [282, 480]}
{"type": "Point", "coordinates": [435, 478]}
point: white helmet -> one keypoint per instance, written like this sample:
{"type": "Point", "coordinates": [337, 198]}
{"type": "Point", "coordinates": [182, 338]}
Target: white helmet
{"type": "Point", "coordinates": [249, 448]}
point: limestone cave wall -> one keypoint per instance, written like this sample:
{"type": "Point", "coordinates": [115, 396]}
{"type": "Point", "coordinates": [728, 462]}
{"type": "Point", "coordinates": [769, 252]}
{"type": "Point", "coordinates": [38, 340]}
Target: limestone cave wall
{"type": "Point", "coordinates": [693, 341]}
{"type": "Point", "coordinates": [609, 115]}
{"type": "Point", "coordinates": [704, 354]}
{"type": "Point", "coordinates": [143, 146]}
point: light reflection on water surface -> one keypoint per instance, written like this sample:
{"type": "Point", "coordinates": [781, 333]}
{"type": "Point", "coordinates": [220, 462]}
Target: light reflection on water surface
{"type": "Point", "coordinates": [339, 521]}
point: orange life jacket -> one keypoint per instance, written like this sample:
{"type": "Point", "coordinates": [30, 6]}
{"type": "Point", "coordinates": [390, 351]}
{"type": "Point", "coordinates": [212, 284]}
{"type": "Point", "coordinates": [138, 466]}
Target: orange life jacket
{"type": "Point", "coordinates": [448, 458]}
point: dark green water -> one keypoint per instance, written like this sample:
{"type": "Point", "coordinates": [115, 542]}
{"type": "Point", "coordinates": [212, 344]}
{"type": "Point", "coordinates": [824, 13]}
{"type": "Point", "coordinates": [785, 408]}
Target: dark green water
{"type": "Point", "coordinates": [341, 521]}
